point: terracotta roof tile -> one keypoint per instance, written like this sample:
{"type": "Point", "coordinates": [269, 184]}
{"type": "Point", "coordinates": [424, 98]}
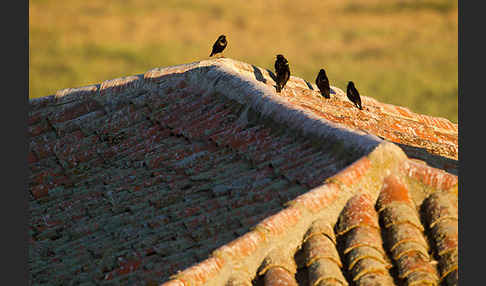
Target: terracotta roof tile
{"type": "Point", "coordinates": [201, 171]}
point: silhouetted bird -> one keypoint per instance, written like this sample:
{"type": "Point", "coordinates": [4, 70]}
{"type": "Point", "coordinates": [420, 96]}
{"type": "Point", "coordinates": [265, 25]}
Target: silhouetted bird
{"type": "Point", "coordinates": [283, 72]}
{"type": "Point", "coordinates": [219, 45]}
{"type": "Point", "coordinates": [353, 95]}
{"type": "Point", "coordinates": [323, 84]}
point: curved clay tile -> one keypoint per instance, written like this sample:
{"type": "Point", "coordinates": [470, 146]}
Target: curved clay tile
{"type": "Point", "coordinates": [408, 246]}
{"type": "Point", "coordinates": [442, 214]}
{"type": "Point", "coordinates": [368, 266]}
{"type": "Point", "coordinates": [448, 263]}
{"type": "Point", "coordinates": [409, 264]}
{"type": "Point", "coordinates": [399, 234]}
{"type": "Point", "coordinates": [320, 246]}
{"type": "Point", "coordinates": [356, 213]}
{"type": "Point", "coordinates": [321, 256]}
{"type": "Point", "coordinates": [422, 278]}
{"type": "Point", "coordinates": [279, 258]}
{"type": "Point", "coordinates": [399, 213]}
{"type": "Point", "coordinates": [359, 253]}
{"type": "Point", "coordinates": [362, 236]}
{"type": "Point", "coordinates": [395, 192]}
{"type": "Point", "coordinates": [278, 276]}
{"type": "Point", "coordinates": [358, 225]}
{"type": "Point", "coordinates": [452, 278]}
{"type": "Point", "coordinates": [405, 238]}
{"type": "Point", "coordinates": [441, 206]}
{"type": "Point", "coordinates": [325, 272]}
{"type": "Point", "coordinates": [323, 227]}
{"type": "Point", "coordinates": [375, 279]}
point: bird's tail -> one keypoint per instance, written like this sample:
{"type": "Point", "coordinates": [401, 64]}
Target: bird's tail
{"type": "Point", "coordinates": [279, 89]}
{"type": "Point", "coordinates": [211, 55]}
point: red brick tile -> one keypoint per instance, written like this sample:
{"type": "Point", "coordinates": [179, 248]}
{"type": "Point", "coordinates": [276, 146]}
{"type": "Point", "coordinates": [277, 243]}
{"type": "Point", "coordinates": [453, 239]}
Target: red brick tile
{"type": "Point", "coordinates": [36, 117]}
{"type": "Point", "coordinates": [128, 266]}
{"type": "Point", "coordinates": [39, 128]}
{"type": "Point", "coordinates": [74, 110]}
{"type": "Point", "coordinates": [448, 125]}
{"type": "Point", "coordinates": [41, 102]}
{"type": "Point", "coordinates": [221, 134]}
{"type": "Point", "coordinates": [404, 112]}
{"type": "Point", "coordinates": [39, 191]}
{"type": "Point", "coordinates": [31, 158]}
{"type": "Point", "coordinates": [447, 138]}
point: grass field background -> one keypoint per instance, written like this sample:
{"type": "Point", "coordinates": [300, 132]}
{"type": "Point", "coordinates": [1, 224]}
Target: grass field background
{"type": "Point", "coordinates": [402, 52]}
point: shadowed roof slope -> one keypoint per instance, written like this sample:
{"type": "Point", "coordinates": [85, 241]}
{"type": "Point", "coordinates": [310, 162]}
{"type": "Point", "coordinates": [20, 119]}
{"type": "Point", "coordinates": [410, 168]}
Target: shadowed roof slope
{"type": "Point", "coordinates": [136, 178]}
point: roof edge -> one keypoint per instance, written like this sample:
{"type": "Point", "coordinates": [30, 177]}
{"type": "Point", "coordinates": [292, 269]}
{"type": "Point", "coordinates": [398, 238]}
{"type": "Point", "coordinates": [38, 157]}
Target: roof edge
{"type": "Point", "coordinates": [246, 84]}
{"type": "Point", "coordinates": [289, 225]}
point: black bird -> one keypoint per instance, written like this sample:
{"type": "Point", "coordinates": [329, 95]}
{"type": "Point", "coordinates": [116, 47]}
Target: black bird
{"type": "Point", "coordinates": [353, 95]}
{"type": "Point", "coordinates": [283, 72]}
{"type": "Point", "coordinates": [219, 45]}
{"type": "Point", "coordinates": [323, 84]}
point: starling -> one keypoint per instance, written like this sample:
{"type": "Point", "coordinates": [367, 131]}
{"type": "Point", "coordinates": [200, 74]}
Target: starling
{"type": "Point", "coordinates": [353, 95]}
{"type": "Point", "coordinates": [323, 84]}
{"type": "Point", "coordinates": [283, 72]}
{"type": "Point", "coordinates": [219, 45]}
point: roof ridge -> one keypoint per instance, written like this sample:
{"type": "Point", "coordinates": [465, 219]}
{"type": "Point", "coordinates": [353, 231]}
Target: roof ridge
{"type": "Point", "coordinates": [231, 67]}
{"type": "Point", "coordinates": [229, 78]}
{"type": "Point", "coordinates": [139, 80]}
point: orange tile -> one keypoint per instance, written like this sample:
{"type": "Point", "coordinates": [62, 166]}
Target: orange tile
{"type": "Point", "coordinates": [405, 112]}
{"type": "Point", "coordinates": [202, 272]}
{"type": "Point", "coordinates": [353, 173]}
{"type": "Point", "coordinates": [241, 247]}
{"type": "Point", "coordinates": [358, 211]}
{"type": "Point", "coordinates": [393, 191]}
{"type": "Point", "coordinates": [281, 221]}
{"type": "Point", "coordinates": [433, 177]}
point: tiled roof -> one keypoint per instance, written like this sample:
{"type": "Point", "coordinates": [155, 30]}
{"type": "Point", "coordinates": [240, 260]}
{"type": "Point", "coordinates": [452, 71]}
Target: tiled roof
{"type": "Point", "coordinates": [204, 167]}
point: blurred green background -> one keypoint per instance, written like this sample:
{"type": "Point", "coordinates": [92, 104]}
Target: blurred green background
{"type": "Point", "coordinates": [402, 52]}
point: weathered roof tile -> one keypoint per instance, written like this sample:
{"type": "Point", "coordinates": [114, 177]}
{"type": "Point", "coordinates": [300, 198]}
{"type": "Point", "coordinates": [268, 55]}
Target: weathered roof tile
{"type": "Point", "coordinates": [146, 175]}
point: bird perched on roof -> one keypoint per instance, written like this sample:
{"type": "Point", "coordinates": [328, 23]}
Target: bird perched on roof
{"type": "Point", "coordinates": [219, 45]}
{"type": "Point", "coordinates": [283, 72]}
{"type": "Point", "coordinates": [322, 83]}
{"type": "Point", "coordinates": [353, 95]}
